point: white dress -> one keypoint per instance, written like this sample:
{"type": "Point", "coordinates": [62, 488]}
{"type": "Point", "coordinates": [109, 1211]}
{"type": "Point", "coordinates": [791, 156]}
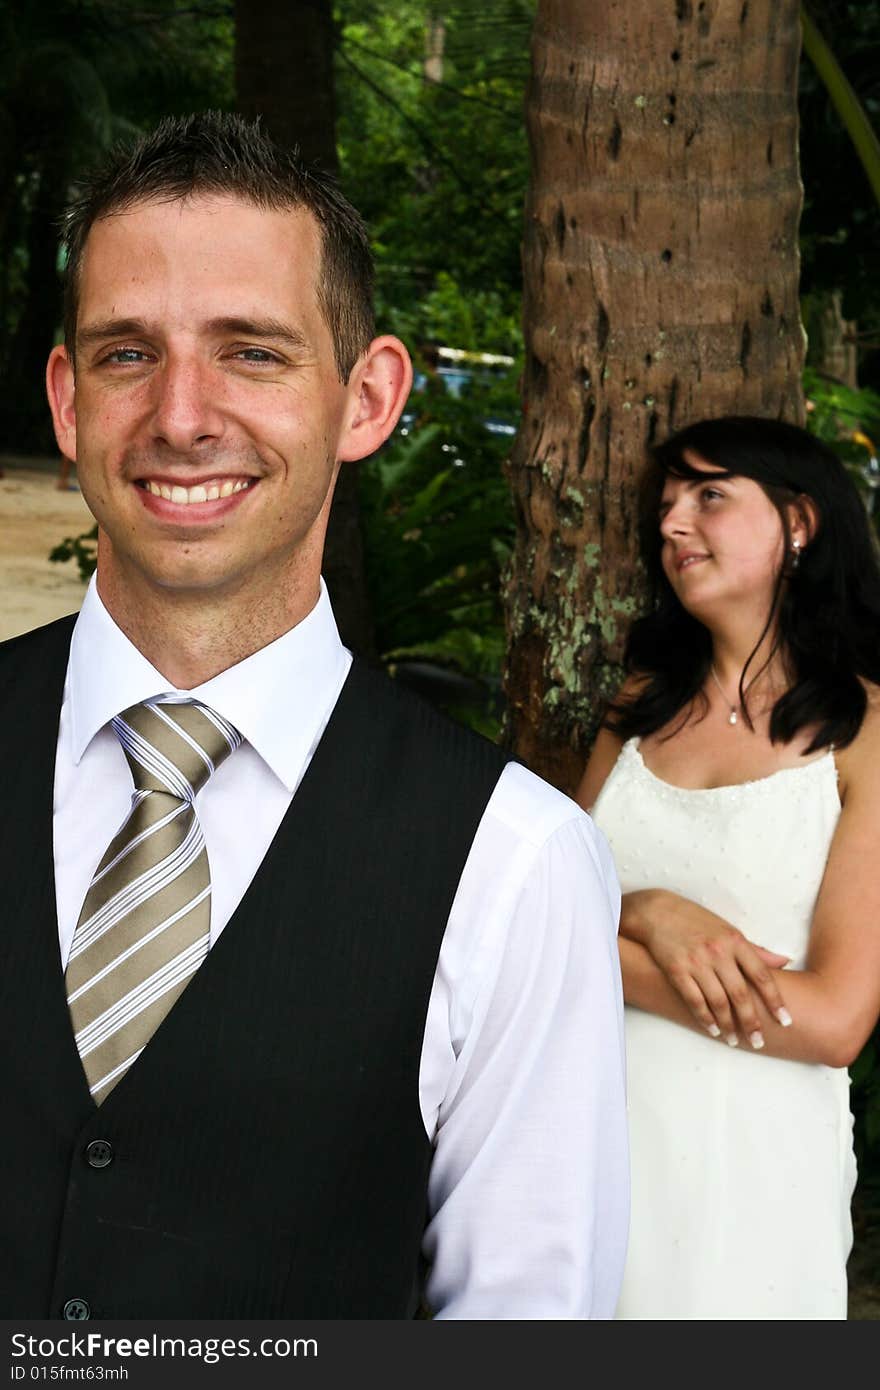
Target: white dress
{"type": "Point", "coordinates": [742, 1164]}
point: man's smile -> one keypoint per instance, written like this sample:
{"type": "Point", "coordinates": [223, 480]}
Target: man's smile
{"type": "Point", "coordinates": [208, 491]}
{"type": "Point", "coordinates": [206, 498]}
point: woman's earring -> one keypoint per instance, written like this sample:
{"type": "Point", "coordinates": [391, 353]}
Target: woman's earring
{"type": "Point", "coordinates": [795, 554]}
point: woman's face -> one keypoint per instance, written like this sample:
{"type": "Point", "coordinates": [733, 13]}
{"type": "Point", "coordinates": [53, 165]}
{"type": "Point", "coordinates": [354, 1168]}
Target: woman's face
{"type": "Point", "coordinates": [723, 542]}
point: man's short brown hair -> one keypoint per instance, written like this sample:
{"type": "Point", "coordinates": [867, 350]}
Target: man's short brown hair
{"type": "Point", "coordinates": [213, 152]}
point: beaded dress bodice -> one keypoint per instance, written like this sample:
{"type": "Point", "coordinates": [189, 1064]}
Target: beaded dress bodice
{"type": "Point", "coordinates": [753, 852]}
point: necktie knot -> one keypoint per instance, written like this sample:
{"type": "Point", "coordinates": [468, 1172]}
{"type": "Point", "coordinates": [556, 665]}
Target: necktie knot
{"type": "Point", "coordinates": [174, 746]}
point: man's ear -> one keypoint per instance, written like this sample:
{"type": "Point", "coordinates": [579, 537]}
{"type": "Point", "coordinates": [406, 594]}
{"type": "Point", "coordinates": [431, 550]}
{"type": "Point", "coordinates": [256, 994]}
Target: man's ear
{"type": "Point", "coordinates": [61, 392]}
{"type": "Point", "coordinates": [377, 391]}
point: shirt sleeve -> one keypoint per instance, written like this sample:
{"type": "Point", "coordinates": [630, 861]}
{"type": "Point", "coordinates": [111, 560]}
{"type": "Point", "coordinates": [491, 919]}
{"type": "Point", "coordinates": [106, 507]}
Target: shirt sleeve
{"type": "Point", "coordinates": [529, 1185]}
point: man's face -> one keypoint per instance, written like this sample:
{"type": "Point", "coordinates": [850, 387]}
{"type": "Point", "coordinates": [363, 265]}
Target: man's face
{"type": "Point", "coordinates": [207, 416]}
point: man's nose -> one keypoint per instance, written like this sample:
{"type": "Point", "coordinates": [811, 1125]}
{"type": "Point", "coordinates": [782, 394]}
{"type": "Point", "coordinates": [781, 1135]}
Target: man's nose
{"type": "Point", "coordinates": [186, 408]}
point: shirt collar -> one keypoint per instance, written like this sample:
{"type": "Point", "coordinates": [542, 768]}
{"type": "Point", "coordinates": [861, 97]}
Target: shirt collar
{"type": "Point", "coordinates": [279, 699]}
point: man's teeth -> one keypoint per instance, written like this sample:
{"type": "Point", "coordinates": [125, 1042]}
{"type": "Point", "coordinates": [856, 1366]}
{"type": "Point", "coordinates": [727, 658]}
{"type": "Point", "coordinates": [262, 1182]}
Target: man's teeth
{"type": "Point", "coordinates": [200, 493]}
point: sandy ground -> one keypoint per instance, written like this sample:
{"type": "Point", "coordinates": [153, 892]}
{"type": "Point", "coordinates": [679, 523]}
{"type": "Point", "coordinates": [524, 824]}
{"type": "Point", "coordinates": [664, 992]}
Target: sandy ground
{"type": "Point", "coordinates": [34, 517]}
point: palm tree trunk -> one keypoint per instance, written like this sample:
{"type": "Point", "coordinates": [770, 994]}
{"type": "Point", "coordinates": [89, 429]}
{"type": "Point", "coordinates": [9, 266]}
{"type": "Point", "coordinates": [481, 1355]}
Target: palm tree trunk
{"type": "Point", "coordinates": [661, 286]}
{"type": "Point", "coordinates": [284, 72]}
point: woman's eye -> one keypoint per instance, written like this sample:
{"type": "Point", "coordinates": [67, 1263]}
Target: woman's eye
{"type": "Point", "coordinates": [709, 494]}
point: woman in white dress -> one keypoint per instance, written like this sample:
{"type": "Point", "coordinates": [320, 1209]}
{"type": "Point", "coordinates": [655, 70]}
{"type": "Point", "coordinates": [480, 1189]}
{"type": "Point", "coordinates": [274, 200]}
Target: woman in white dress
{"type": "Point", "coordinates": [737, 779]}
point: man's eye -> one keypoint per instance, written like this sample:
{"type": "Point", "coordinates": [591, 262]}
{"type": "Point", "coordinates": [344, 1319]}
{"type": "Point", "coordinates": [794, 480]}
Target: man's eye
{"type": "Point", "coordinates": [125, 355]}
{"type": "Point", "coordinates": [255, 354]}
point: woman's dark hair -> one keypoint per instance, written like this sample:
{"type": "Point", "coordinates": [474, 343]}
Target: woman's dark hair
{"type": "Point", "coordinates": [828, 606]}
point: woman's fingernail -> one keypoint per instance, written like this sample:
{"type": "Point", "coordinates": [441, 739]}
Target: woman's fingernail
{"type": "Point", "coordinates": [756, 1039]}
{"type": "Point", "coordinates": [713, 1029]}
{"type": "Point", "coordinates": [784, 1017]}
{"type": "Point", "coordinates": [732, 1040]}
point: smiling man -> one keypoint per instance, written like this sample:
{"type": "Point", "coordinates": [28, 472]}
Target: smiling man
{"type": "Point", "coordinates": [311, 1005]}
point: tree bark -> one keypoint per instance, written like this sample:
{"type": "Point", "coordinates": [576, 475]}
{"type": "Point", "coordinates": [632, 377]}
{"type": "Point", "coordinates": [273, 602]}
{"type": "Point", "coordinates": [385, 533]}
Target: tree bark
{"type": "Point", "coordinates": [832, 338]}
{"type": "Point", "coordinates": [284, 73]}
{"type": "Point", "coordinates": [435, 45]}
{"type": "Point", "coordinates": [661, 286]}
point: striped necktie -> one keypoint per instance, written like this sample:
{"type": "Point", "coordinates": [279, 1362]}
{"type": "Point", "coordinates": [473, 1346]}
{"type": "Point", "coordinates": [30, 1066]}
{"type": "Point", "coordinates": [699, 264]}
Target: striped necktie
{"type": "Point", "coordinates": [144, 928]}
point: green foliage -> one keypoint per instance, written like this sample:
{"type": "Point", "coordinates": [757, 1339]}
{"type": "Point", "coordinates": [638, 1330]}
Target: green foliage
{"type": "Point", "coordinates": [838, 233]}
{"type": "Point", "coordinates": [434, 546]}
{"type": "Point", "coordinates": [438, 168]}
{"type": "Point", "coordinates": [835, 412]}
{"type": "Point", "coordinates": [438, 528]}
{"type": "Point", "coordinates": [850, 422]}
{"type": "Point", "coordinates": [852, 114]}
{"type": "Point", "coordinates": [82, 548]}
{"type": "Point", "coordinates": [476, 320]}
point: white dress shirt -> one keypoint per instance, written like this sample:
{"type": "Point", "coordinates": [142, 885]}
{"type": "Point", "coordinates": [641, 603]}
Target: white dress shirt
{"type": "Point", "coordinates": [521, 1075]}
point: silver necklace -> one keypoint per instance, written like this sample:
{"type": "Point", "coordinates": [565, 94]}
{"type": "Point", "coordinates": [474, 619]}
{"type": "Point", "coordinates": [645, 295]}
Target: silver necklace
{"type": "Point", "coordinates": [732, 717]}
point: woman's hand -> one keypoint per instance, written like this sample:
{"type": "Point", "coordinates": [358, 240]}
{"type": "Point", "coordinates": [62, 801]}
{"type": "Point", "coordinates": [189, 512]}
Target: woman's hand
{"type": "Point", "coordinates": [717, 971]}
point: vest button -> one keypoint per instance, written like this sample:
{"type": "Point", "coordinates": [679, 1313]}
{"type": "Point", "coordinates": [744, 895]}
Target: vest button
{"type": "Point", "coordinates": [99, 1153]}
{"type": "Point", "coordinates": [76, 1310]}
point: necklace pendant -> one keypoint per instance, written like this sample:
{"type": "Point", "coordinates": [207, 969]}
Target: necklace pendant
{"type": "Point", "coordinates": [731, 718]}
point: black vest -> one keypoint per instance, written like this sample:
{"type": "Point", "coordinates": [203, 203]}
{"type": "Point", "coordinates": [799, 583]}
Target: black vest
{"type": "Point", "coordinates": [268, 1154]}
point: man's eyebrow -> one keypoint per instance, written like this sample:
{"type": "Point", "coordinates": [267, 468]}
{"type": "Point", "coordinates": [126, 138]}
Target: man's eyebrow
{"type": "Point", "coordinates": [110, 328]}
{"type": "Point", "coordinates": [268, 329]}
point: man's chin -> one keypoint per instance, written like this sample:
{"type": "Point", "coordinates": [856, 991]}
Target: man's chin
{"type": "Point", "coordinates": [169, 577]}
